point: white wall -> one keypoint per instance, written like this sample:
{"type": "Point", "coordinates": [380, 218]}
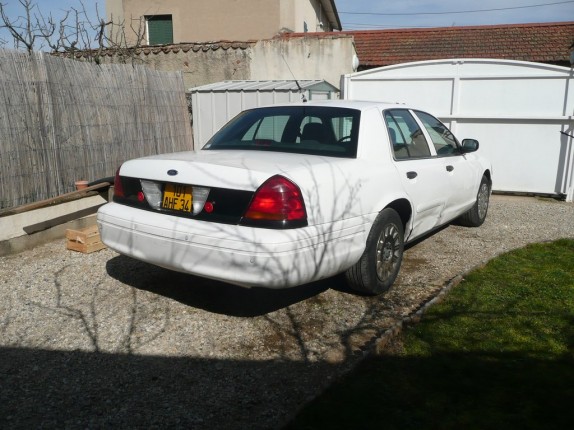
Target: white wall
{"type": "Point", "coordinates": [517, 110]}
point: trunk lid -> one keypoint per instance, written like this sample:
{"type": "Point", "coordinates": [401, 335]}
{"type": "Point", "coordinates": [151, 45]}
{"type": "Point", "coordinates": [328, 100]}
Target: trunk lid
{"type": "Point", "coordinates": [239, 170]}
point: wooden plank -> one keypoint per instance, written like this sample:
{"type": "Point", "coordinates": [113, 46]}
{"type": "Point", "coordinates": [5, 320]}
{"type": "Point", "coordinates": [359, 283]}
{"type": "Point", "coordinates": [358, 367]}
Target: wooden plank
{"type": "Point", "coordinates": [74, 195]}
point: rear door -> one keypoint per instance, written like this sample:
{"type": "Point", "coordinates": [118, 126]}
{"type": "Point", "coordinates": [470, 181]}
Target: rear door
{"type": "Point", "coordinates": [422, 175]}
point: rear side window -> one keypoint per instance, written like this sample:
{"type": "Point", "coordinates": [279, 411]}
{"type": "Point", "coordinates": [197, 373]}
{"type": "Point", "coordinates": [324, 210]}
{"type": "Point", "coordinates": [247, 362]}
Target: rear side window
{"type": "Point", "coordinates": [314, 130]}
{"type": "Point", "coordinates": [405, 135]}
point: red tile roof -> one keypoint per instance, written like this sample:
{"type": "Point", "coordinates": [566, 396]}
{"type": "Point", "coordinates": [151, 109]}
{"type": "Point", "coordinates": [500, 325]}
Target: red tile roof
{"type": "Point", "coordinates": [543, 43]}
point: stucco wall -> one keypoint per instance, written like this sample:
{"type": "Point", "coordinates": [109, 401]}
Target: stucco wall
{"type": "Point", "coordinates": [312, 13]}
{"type": "Point", "coordinates": [203, 21]}
{"type": "Point", "coordinates": [287, 15]}
{"type": "Point", "coordinates": [303, 58]}
{"type": "Point", "coordinates": [214, 20]}
{"type": "Point", "coordinates": [200, 66]}
{"type": "Point", "coordinates": [115, 10]}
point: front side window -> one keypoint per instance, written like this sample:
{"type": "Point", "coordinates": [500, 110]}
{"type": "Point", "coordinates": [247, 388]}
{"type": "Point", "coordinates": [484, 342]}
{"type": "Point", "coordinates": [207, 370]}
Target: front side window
{"type": "Point", "coordinates": [443, 140]}
{"type": "Point", "coordinates": [159, 29]}
{"type": "Point", "coordinates": [406, 137]}
{"type": "Point", "coordinates": [313, 130]}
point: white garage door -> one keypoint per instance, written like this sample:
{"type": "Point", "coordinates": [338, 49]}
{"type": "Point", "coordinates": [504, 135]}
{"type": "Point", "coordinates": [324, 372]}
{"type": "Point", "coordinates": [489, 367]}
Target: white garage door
{"type": "Point", "coordinates": [522, 113]}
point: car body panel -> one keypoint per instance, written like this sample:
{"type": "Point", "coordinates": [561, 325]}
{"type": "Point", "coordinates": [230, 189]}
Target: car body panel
{"type": "Point", "coordinates": [342, 198]}
{"type": "Point", "coordinates": [464, 173]}
{"type": "Point", "coordinates": [240, 255]}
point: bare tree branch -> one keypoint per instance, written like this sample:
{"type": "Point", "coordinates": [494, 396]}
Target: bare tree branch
{"type": "Point", "coordinates": [21, 28]}
{"type": "Point", "coordinates": [76, 31]}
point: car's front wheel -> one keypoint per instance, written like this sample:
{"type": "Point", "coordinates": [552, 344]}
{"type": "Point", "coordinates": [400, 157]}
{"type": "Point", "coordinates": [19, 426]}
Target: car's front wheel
{"type": "Point", "coordinates": [476, 215]}
{"type": "Point", "coordinates": [379, 265]}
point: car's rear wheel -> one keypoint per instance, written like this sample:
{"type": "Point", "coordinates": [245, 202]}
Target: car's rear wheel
{"type": "Point", "coordinates": [476, 215]}
{"type": "Point", "coordinates": [379, 265]}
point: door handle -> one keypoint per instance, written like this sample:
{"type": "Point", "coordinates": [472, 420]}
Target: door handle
{"type": "Point", "coordinates": [449, 168]}
{"type": "Point", "coordinates": [412, 175]}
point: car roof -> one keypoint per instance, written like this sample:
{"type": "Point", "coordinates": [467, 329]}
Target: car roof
{"type": "Point", "coordinates": [350, 104]}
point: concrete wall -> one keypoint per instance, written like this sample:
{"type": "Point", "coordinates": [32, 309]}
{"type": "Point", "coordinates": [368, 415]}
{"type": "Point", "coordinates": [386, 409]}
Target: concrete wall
{"type": "Point", "coordinates": [302, 58]}
{"type": "Point", "coordinates": [25, 230]}
{"type": "Point", "coordinates": [202, 66]}
{"type": "Point", "coordinates": [214, 20]}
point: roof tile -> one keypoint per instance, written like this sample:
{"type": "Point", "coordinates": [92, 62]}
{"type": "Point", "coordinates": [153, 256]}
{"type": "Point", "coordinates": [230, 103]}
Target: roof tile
{"type": "Point", "coordinates": [541, 42]}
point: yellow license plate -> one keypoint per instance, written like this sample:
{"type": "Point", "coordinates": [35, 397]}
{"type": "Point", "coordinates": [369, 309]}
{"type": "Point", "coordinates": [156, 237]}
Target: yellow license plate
{"type": "Point", "coordinates": [178, 197]}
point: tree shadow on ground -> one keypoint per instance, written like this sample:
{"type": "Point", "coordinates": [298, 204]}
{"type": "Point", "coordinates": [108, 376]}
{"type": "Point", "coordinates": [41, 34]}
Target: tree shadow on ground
{"type": "Point", "coordinates": [57, 389]}
{"type": "Point", "coordinates": [73, 389]}
{"type": "Point", "coordinates": [223, 298]}
{"type": "Point", "coordinates": [209, 295]}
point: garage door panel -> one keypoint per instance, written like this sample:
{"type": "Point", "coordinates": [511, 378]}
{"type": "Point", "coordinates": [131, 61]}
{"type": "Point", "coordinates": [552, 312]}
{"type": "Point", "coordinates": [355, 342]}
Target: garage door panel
{"type": "Point", "coordinates": [512, 97]}
{"type": "Point", "coordinates": [437, 95]}
{"type": "Point", "coordinates": [526, 157]}
{"type": "Point", "coordinates": [516, 110]}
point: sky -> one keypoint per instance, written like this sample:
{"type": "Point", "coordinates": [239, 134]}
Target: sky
{"type": "Point", "coordinates": [381, 14]}
{"type": "Point", "coordinates": [369, 14]}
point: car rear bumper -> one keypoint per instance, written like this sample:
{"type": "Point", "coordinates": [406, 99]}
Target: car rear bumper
{"type": "Point", "coordinates": [239, 255]}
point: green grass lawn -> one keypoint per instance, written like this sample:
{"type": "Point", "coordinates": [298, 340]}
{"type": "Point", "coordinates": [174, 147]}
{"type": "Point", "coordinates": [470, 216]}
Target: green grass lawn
{"type": "Point", "coordinates": [498, 353]}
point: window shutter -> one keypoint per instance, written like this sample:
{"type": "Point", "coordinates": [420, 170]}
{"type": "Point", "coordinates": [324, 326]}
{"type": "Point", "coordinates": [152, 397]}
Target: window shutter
{"type": "Point", "coordinates": [160, 29]}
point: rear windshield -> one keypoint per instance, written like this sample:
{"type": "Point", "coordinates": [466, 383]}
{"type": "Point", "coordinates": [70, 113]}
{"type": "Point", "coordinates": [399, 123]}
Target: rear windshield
{"type": "Point", "coordinates": [311, 130]}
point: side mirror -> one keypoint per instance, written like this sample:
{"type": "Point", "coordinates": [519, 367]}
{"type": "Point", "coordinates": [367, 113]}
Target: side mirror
{"type": "Point", "coordinates": [469, 145]}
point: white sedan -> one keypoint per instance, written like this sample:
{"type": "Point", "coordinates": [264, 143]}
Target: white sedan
{"type": "Point", "coordinates": [289, 194]}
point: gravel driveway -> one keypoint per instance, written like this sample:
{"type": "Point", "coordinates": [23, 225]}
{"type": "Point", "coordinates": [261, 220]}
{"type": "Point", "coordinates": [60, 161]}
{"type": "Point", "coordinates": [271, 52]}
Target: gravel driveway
{"type": "Point", "coordinates": [101, 340]}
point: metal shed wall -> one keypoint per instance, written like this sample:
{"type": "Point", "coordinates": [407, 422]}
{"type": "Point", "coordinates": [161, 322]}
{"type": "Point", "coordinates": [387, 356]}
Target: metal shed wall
{"type": "Point", "coordinates": [214, 105]}
{"type": "Point", "coordinates": [522, 113]}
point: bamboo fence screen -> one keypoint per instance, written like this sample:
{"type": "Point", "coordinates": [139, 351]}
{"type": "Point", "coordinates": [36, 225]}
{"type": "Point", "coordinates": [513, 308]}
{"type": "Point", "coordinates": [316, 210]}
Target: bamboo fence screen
{"type": "Point", "coordinates": [63, 120]}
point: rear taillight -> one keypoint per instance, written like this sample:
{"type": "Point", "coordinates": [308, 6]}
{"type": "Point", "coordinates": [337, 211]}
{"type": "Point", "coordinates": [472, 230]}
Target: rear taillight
{"type": "Point", "coordinates": [277, 200]}
{"type": "Point", "coordinates": [118, 187]}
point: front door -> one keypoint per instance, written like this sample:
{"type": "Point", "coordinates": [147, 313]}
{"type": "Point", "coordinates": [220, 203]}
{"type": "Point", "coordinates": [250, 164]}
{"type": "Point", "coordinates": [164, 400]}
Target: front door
{"type": "Point", "coordinates": [459, 168]}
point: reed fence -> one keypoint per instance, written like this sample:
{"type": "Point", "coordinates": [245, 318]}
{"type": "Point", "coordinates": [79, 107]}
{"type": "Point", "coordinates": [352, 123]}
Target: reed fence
{"type": "Point", "coordinates": [63, 120]}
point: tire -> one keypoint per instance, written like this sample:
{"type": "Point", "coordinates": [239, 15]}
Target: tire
{"type": "Point", "coordinates": [380, 263]}
{"type": "Point", "coordinates": [476, 215]}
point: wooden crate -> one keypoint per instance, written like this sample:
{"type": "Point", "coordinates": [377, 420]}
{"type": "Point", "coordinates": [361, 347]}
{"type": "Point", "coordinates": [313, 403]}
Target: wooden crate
{"type": "Point", "coordinates": [86, 240]}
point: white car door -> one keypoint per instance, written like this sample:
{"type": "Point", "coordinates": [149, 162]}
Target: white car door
{"type": "Point", "coordinates": [422, 175]}
{"type": "Point", "coordinates": [462, 172]}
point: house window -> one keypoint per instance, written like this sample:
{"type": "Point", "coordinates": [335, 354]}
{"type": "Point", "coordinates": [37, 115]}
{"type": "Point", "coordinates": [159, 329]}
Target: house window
{"type": "Point", "coordinates": [159, 29]}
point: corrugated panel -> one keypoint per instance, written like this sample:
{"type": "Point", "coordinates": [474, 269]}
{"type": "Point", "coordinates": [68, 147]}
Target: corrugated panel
{"type": "Point", "coordinates": [278, 85]}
